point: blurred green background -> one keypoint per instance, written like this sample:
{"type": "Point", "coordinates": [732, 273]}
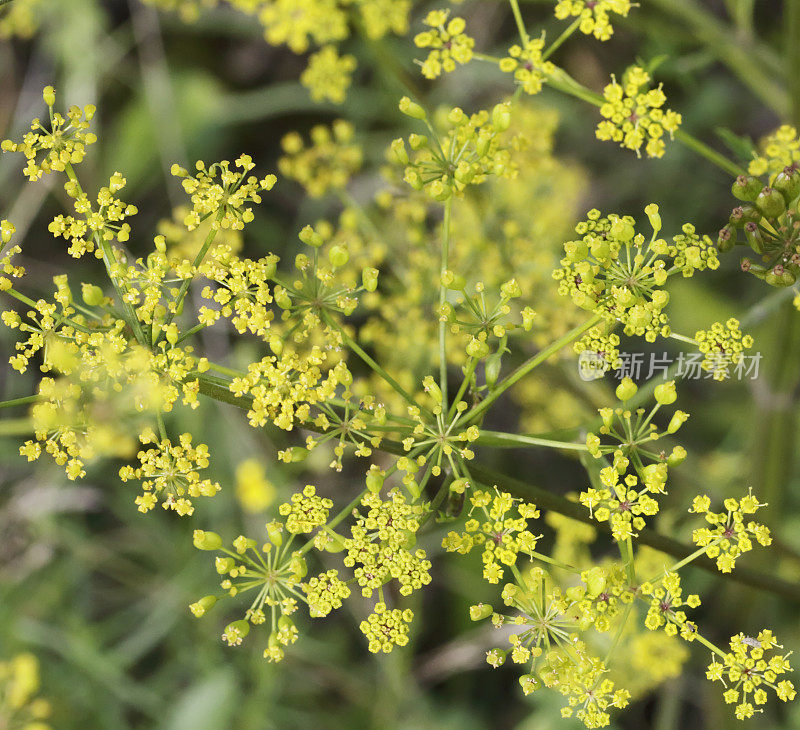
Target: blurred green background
{"type": "Point", "coordinates": [99, 592]}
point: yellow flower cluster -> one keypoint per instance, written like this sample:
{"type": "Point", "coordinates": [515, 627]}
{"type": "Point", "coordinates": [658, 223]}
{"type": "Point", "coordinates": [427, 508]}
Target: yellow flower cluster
{"type": "Point", "coordinates": [386, 628]}
{"type": "Point", "coordinates": [526, 63]}
{"type": "Point", "coordinates": [621, 500]}
{"type": "Point", "coordinates": [634, 116]}
{"type": "Point", "coordinates": [19, 684]}
{"type": "Point", "coordinates": [729, 537]}
{"type": "Point", "coordinates": [593, 15]}
{"type": "Point", "coordinates": [501, 534]}
{"type": "Point", "coordinates": [283, 388]}
{"type": "Point", "coordinates": [666, 604]}
{"type": "Point", "coordinates": [105, 223]}
{"type": "Point", "coordinates": [778, 150]}
{"type": "Point", "coordinates": [471, 150]}
{"type": "Point", "coordinates": [448, 43]}
{"type": "Point", "coordinates": [327, 164]}
{"type": "Point", "coordinates": [381, 542]}
{"type": "Point", "coordinates": [328, 75]}
{"type": "Point", "coordinates": [170, 471]}
{"type": "Point", "coordinates": [222, 192]}
{"type": "Point", "coordinates": [273, 571]}
{"type": "Point", "coordinates": [306, 511]}
{"type": "Point", "coordinates": [723, 346]}
{"type": "Point", "coordinates": [325, 593]}
{"type": "Point", "coordinates": [52, 150]}
{"type": "Point", "coordinates": [241, 293]}
{"type": "Point", "coordinates": [748, 669]}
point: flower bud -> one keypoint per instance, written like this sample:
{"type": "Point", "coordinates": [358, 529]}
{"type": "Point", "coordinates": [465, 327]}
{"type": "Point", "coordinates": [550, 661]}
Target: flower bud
{"type": "Point", "coordinates": [787, 183]}
{"type": "Point", "coordinates": [199, 608]}
{"type": "Point", "coordinates": [6, 231]}
{"type": "Point", "coordinates": [338, 256]}
{"type": "Point", "coordinates": [294, 454]}
{"type": "Point", "coordinates": [310, 237]}
{"type": "Point", "coordinates": [171, 333]}
{"type": "Point", "coordinates": [726, 239]}
{"type": "Point", "coordinates": [677, 420]}
{"type": "Point", "coordinates": [501, 117]}
{"type": "Point", "coordinates": [492, 368]}
{"type": "Point", "coordinates": [665, 393]}
{"type": "Point", "coordinates": [480, 611]}
{"type": "Point", "coordinates": [299, 568]}
{"type": "Point", "coordinates": [626, 389]}
{"type": "Point", "coordinates": [49, 95]}
{"type": "Point", "coordinates": [275, 532]}
{"type": "Point", "coordinates": [677, 456]}
{"type": "Point", "coordinates": [203, 540]}
{"type": "Point", "coordinates": [477, 348]}
{"type": "Point", "coordinates": [375, 479]}
{"type": "Point", "coordinates": [411, 108]}
{"type": "Point", "coordinates": [754, 238]}
{"type": "Point", "coordinates": [746, 188]}
{"type": "Point", "coordinates": [771, 203]}
{"type": "Point", "coordinates": [92, 295]}
{"type": "Point", "coordinates": [398, 150]}
{"type": "Point", "coordinates": [459, 486]}
{"type": "Point", "coordinates": [369, 277]}
{"type": "Point", "coordinates": [654, 216]}
{"type": "Point", "coordinates": [432, 389]}
{"type": "Point", "coordinates": [595, 581]}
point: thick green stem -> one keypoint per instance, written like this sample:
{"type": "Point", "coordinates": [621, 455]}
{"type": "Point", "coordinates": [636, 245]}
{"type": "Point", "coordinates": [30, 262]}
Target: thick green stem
{"type": "Point", "coordinates": [26, 400]}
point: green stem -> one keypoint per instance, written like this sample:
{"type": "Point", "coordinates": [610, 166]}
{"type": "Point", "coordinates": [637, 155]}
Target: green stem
{"type": "Point", "coordinates": [19, 401]}
{"type": "Point", "coordinates": [448, 208]}
{"type": "Point", "coordinates": [529, 365]}
{"type": "Point", "coordinates": [354, 346]}
{"type": "Point", "coordinates": [473, 363]}
{"type": "Point", "coordinates": [561, 39]}
{"type": "Point", "coordinates": [201, 254]}
{"type": "Point", "coordinates": [518, 19]}
{"type": "Point", "coordinates": [510, 440]}
{"type": "Point", "coordinates": [556, 563]}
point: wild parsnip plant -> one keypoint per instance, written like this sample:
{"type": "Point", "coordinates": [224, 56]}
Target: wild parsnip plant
{"type": "Point", "coordinates": [335, 332]}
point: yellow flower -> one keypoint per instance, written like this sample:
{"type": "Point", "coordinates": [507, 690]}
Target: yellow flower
{"type": "Point", "coordinates": [328, 75]}
{"type": "Point", "coordinates": [634, 116]}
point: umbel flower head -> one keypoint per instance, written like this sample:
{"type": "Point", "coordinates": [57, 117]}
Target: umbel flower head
{"type": "Point", "coordinates": [328, 75]}
{"type": "Point", "coordinates": [612, 271]}
{"type": "Point", "coordinates": [472, 148]}
{"type": "Point", "coordinates": [327, 163]}
{"type": "Point", "coordinates": [526, 63]}
{"type": "Point", "coordinates": [448, 43]}
{"type": "Point", "coordinates": [222, 192]}
{"type": "Point", "coordinates": [634, 114]}
{"type": "Point", "coordinates": [501, 533]}
{"type": "Point", "coordinates": [593, 14]}
{"type": "Point", "coordinates": [729, 536]}
{"type": "Point", "coordinates": [723, 346]}
{"type": "Point", "coordinates": [64, 143]}
{"type": "Point", "coordinates": [170, 471]}
{"type": "Point", "coordinates": [750, 668]}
